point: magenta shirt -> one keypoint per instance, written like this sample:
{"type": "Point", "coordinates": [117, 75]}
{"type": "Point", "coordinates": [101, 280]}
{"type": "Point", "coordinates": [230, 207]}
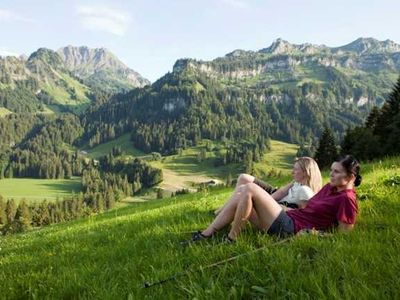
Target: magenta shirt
{"type": "Point", "coordinates": [326, 209]}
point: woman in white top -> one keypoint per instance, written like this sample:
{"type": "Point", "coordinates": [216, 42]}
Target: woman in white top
{"type": "Point", "coordinates": [307, 181]}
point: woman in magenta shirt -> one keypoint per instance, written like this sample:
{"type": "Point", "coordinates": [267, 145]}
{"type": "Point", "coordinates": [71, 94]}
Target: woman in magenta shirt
{"type": "Point", "coordinates": [334, 205]}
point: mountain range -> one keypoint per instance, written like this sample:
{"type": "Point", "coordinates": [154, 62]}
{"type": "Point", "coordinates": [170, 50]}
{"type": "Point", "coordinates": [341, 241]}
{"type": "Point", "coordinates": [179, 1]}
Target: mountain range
{"type": "Point", "coordinates": [368, 66]}
{"type": "Point", "coordinates": [62, 80]}
{"type": "Point", "coordinates": [297, 89]}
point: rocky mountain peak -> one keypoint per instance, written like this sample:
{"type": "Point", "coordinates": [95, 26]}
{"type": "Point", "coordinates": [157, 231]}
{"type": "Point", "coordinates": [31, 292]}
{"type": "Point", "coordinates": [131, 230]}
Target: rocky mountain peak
{"type": "Point", "coordinates": [46, 56]}
{"type": "Point", "coordinates": [279, 46]}
{"type": "Point", "coordinates": [183, 64]}
{"type": "Point", "coordinates": [89, 59]}
{"type": "Point", "coordinates": [370, 45]}
{"type": "Point", "coordinates": [99, 66]}
{"type": "Point", "coordinates": [238, 53]}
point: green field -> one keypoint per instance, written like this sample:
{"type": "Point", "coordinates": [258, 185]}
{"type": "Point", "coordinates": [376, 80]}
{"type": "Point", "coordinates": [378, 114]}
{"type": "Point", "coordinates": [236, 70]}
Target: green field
{"type": "Point", "coordinates": [123, 141]}
{"type": "Point", "coordinates": [185, 171]}
{"type": "Point", "coordinates": [4, 112]}
{"type": "Point", "coordinates": [38, 189]}
{"type": "Point", "coordinates": [110, 256]}
{"type": "Point", "coordinates": [181, 171]}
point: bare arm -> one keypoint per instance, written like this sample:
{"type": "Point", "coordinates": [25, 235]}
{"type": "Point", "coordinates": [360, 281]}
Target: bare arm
{"type": "Point", "coordinates": [344, 227]}
{"type": "Point", "coordinates": [282, 192]}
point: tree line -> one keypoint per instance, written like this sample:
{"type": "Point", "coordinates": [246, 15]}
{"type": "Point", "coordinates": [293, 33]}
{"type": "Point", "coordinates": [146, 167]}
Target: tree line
{"type": "Point", "coordinates": [102, 187]}
{"type": "Point", "coordinates": [182, 108]}
{"type": "Point", "coordinates": [379, 136]}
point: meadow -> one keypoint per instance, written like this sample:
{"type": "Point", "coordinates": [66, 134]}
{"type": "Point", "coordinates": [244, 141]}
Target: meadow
{"type": "Point", "coordinates": [112, 255]}
{"type": "Point", "coordinates": [123, 142]}
{"type": "Point", "coordinates": [4, 112]}
{"type": "Point", "coordinates": [35, 190]}
{"type": "Point", "coordinates": [185, 170]}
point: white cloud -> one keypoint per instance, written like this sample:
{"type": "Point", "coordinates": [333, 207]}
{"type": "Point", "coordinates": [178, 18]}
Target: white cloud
{"type": "Point", "coordinates": [102, 18]}
{"type": "Point", "coordinates": [8, 15]}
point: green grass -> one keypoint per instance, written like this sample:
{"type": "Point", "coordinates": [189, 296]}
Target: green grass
{"type": "Point", "coordinates": [182, 171]}
{"type": "Point", "coordinates": [38, 189]}
{"type": "Point", "coordinates": [281, 157]}
{"type": "Point", "coordinates": [64, 99]}
{"type": "Point", "coordinates": [46, 111]}
{"type": "Point", "coordinates": [123, 141]}
{"type": "Point", "coordinates": [4, 112]}
{"type": "Point", "coordinates": [185, 171]}
{"type": "Point", "coordinates": [110, 256]}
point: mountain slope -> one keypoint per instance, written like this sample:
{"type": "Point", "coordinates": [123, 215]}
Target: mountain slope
{"type": "Point", "coordinates": [367, 67]}
{"type": "Point", "coordinates": [112, 255]}
{"type": "Point", "coordinates": [65, 80]}
{"type": "Point", "coordinates": [100, 68]}
{"type": "Point", "coordinates": [291, 96]}
{"type": "Point", "coordinates": [38, 82]}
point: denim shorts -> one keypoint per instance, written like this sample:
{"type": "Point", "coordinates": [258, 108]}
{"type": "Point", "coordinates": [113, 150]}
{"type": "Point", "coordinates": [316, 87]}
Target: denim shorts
{"type": "Point", "coordinates": [282, 226]}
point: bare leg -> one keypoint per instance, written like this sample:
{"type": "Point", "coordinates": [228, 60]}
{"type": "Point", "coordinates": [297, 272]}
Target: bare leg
{"type": "Point", "coordinates": [242, 179]}
{"type": "Point", "coordinates": [225, 217]}
{"type": "Point", "coordinates": [266, 209]}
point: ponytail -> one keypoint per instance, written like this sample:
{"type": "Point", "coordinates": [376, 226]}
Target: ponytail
{"type": "Point", "coordinates": [352, 166]}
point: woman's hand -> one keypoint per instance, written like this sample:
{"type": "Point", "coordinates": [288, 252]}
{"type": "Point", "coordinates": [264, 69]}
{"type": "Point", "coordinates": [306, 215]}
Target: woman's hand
{"type": "Point", "coordinates": [282, 192]}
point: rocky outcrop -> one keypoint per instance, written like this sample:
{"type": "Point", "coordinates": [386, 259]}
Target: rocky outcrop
{"type": "Point", "coordinates": [98, 65]}
{"type": "Point", "coordinates": [283, 62]}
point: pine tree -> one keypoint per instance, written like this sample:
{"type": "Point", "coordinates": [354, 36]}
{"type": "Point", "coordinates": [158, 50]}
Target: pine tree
{"type": "Point", "coordinates": [3, 216]}
{"type": "Point", "coordinates": [11, 209]}
{"type": "Point", "coordinates": [372, 118]}
{"type": "Point", "coordinates": [110, 199]}
{"type": "Point", "coordinates": [326, 152]}
{"type": "Point", "coordinates": [23, 215]}
{"type": "Point", "coordinates": [43, 213]}
{"type": "Point", "coordinates": [99, 203]}
{"type": "Point", "coordinates": [386, 124]}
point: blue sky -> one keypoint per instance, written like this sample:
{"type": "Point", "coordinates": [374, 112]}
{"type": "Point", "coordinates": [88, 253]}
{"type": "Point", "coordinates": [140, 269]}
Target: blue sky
{"type": "Point", "coordinates": [149, 35]}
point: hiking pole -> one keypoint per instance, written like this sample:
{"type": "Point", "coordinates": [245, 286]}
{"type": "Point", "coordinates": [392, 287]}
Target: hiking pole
{"type": "Point", "coordinates": [181, 274]}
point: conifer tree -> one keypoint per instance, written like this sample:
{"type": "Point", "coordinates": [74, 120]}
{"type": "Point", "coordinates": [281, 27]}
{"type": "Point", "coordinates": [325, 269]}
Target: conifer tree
{"type": "Point", "coordinates": [372, 118]}
{"type": "Point", "coordinates": [11, 209]}
{"type": "Point", "coordinates": [387, 124]}
{"type": "Point", "coordinates": [43, 214]}
{"type": "Point", "coordinates": [3, 216]}
{"type": "Point", "coordinates": [23, 215]}
{"type": "Point", "coordinates": [326, 152]}
{"type": "Point", "coordinates": [110, 199]}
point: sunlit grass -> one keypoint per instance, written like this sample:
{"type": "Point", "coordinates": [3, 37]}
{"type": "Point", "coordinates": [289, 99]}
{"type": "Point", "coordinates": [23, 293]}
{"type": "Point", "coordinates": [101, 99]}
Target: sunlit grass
{"type": "Point", "coordinates": [123, 142]}
{"type": "Point", "coordinates": [110, 256]}
{"type": "Point", "coordinates": [39, 189]}
{"type": "Point", "coordinates": [4, 112]}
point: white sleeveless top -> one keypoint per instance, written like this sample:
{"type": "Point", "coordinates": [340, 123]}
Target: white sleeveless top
{"type": "Point", "coordinates": [298, 192]}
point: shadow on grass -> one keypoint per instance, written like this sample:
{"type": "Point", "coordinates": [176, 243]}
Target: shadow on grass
{"type": "Point", "coordinates": [65, 187]}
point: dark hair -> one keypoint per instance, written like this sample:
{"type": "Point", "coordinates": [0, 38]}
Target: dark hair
{"type": "Point", "coordinates": [352, 166]}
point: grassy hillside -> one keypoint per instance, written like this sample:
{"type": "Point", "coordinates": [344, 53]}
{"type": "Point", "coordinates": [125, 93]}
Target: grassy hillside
{"type": "Point", "coordinates": [4, 112]}
{"type": "Point", "coordinates": [110, 256]}
{"type": "Point", "coordinates": [182, 171]}
{"type": "Point", "coordinates": [179, 171]}
{"type": "Point", "coordinates": [38, 189]}
{"type": "Point", "coordinates": [123, 141]}
{"type": "Point", "coordinates": [185, 170]}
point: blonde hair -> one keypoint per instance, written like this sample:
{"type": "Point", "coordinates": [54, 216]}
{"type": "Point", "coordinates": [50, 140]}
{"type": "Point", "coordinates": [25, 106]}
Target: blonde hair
{"type": "Point", "coordinates": [310, 167]}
